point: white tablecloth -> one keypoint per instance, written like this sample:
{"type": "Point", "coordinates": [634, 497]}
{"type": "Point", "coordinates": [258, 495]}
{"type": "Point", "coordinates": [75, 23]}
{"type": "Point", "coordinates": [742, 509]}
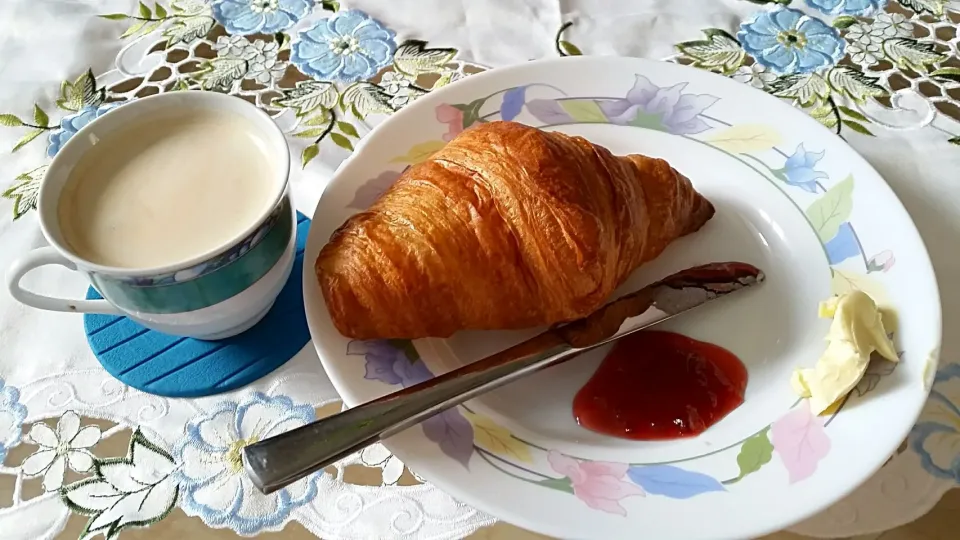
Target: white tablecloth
{"type": "Point", "coordinates": [47, 371]}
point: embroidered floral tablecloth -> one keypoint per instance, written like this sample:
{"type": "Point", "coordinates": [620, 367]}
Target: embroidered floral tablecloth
{"type": "Point", "coordinates": [883, 74]}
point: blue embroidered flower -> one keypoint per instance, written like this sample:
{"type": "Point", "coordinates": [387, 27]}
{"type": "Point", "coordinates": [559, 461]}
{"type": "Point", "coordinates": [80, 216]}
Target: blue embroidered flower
{"type": "Point", "coordinates": [72, 123]}
{"type": "Point", "coordinates": [847, 7]}
{"type": "Point", "coordinates": [787, 41]}
{"type": "Point", "coordinates": [347, 47]}
{"type": "Point", "coordinates": [798, 170]}
{"type": "Point", "coordinates": [213, 483]}
{"type": "Point", "coordinates": [244, 17]}
{"type": "Point", "coordinates": [12, 415]}
{"type": "Point", "coordinates": [936, 438]}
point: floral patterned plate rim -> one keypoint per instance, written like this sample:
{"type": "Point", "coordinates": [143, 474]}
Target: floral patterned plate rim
{"type": "Point", "coordinates": [791, 197]}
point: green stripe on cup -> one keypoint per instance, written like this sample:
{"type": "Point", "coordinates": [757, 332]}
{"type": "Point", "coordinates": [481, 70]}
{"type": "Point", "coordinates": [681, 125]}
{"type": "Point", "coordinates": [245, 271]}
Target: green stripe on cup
{"type": "Point", "coordinates": [208, 289]}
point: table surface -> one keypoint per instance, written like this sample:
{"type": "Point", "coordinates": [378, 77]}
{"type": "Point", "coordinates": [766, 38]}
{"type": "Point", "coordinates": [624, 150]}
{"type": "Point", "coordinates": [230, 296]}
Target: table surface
{"type": "Point", "coordinates": [902, 116]}
{"type": "Point", "coordinates": [939, 524]}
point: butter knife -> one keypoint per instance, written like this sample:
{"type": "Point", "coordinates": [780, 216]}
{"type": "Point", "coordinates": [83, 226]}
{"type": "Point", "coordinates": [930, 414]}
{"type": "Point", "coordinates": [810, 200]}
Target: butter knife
{"type": "Point", "coordinates": [283, 459]}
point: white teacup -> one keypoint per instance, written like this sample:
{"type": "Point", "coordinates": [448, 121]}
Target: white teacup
{"type": "Point", "coordinates": [244, 259]}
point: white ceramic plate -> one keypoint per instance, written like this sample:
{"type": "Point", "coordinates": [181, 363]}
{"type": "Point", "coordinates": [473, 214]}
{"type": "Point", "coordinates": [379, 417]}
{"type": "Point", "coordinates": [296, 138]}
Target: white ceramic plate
{"type": "Point", "coordinates": [791, 198]}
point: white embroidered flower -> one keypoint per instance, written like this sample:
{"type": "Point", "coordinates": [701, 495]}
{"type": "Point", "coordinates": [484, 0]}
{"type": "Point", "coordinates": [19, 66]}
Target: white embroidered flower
{"type": "Point", "coordinates": [865, 41]}
{"type": "Point", "coordinates": [891, 25]}
{"type": "Point", "coordinates": [377, 455]}
{"type": "Point", "coordinates": [755, 75]}
{"type": "Point", "coordinates": [213, 484]}
{"type": "Point", "coordinates": [261, 56]}
{"type": "Point", "coordinates": [66, 446]}
{"type": "Point", "coordinates": [397, 85]}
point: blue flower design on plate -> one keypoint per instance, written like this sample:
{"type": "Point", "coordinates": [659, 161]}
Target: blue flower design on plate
{"type": "Point", "coordinates": [244, 17]}
{"type": "Point", "coordinates": [799, 170]}
{"type": "Point", "coordinates": [788, 41]}
{"type": "Point", "coordinates": [936, 438]}
{"type": "Point", "coordinates": [214, 485]}
{"type": "Point", "coordinates": [847, 7]}
{"type": "Point", "coordinates": [347, 47]}
{"type": "Point", "coordinates": [12, 415]}
{"type": "Point", "coordinates": [665, 108]}
{"type": "Point", "coordinates": [72, 123]}
{"type": "Point", "coordinates": [396, 362]}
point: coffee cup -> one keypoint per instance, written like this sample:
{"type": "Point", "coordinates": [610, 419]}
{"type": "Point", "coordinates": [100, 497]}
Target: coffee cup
{"type": "Point", "coordinates": [177, 209]}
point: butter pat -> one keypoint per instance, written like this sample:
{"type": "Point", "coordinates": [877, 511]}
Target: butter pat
{"type": "Point", "coordinates": [857, 330]}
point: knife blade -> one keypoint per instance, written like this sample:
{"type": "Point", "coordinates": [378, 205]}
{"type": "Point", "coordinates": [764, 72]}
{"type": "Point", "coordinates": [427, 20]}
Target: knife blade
{"type": "Point", "coordinates": [283, 459]}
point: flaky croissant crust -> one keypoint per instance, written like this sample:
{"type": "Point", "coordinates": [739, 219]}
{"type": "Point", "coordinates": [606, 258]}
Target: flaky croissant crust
{"type": "Point", "coordinates": [506, 227]}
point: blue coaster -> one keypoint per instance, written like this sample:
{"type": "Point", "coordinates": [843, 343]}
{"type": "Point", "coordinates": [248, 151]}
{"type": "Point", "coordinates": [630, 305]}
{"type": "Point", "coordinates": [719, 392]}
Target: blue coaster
{"type": "Point", "coordinates": [183, 367]}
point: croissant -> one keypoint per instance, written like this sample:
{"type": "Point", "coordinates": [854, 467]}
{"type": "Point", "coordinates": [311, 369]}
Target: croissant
{"type": "Point", "coordinates": [506, 227]}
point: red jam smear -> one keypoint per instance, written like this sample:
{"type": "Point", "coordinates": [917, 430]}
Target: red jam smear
{"type": "Point", "coordinates": [661, 385]}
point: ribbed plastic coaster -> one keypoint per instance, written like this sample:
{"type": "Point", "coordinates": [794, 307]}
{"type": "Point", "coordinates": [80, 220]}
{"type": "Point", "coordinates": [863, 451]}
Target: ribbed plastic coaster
{"type": "Point", "coordinates": [183, 367]}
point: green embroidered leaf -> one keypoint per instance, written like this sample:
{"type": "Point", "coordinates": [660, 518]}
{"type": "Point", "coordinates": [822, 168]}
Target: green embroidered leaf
{"type": "Point", "coordinates": [365, 98]}
{"type": "Point", "coordinates": [307, 96]}
{"type": "Point", "coordinates": [806, 89]}
{"type": "Point", "coordinates": [720, 51]}
{"type": "Point", "coordinates": [827, 213]}
{"type": "Point", "coordinates": [341, 141]}
{"type": "Point", "coordinates": [317, 120]}
{"type": "Point", "coordinates": [10, 120]}
{"type": "Point", "coordinates": [150, 28]}
{"type": "Point", "coordinates": [565, 48]}
{"type": "Point", "coordinates": [446, 77]}
{"type": "Point", "coordinates": [854, 84]}
{"type": "Point", "coordinates": [583, 110]}
{"type": "Point", "coordinates": [859, 128]}
{"type": "Point", "coordinates": [145, 11]}
{"type": "Point", "coordinates": [954, 140]}
{"type": "Point", "coordinates": [853, 114]}
{"type": "Point", "coordinates": [133, 29]}
{"type": "Point", "coordinates": [39, 116]}
{"type": "Point", "coordinates": [755, 452]}
{"type": "Point", "coordinates": [308, 154]}
{"type": "Point", "coordinates": [160, 11]}
{"type": "Point", "coordinates": [27, 138]}
{"type": "Point", "coordinates": [559, 484]}
{"type": "Point", "coordinates": [133, 491]}
{"type": "Point", "coordinates": [86, 87]}
{"type": "Point", "coordinates": [414, 58]}
{"type": "Point", "coordinates": [948, 73]}
{"type": "Point", "coordinates": [186, 30]}
{"type": "Point", "coordinates": [220, 73]}
{"type": "Point", "coordinates": [24, 192]}
{"type": "Point", "coordinates": [348, 129]}
{"type": "Point", "coordinates": [70, 99]}
{"type": "Point", "coordinates": [190, 7]}
{"type": "Point", "coordinates": [569, 49]}
{"type": "Point", "coordinates": [844, 21]}
{"type": "Point", "coordinates": [825, 115]}
{"type": "Point", "coordinates": [114, 16]}
{"type": "Point", "coordinates": [330, 5]}
{"type": "Point", "coordinates": [911, 54]}
{"type": "Point", "coordinates": [311, 133]}
{"type": "Point", "coordinates": [933, 7]}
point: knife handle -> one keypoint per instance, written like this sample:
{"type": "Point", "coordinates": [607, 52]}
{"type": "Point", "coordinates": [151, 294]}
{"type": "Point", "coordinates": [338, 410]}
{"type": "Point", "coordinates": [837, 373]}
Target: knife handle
{"type": "Point", "coordinates": [279, 461]}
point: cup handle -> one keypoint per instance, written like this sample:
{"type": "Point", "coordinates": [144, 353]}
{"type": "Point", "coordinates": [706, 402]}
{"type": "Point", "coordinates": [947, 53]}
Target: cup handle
{"type": "Point", "coordinates": [42, 257]}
